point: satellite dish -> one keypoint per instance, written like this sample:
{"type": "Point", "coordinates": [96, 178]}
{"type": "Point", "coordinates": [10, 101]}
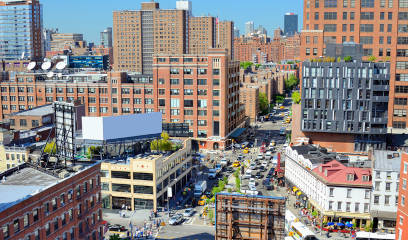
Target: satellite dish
{"type": "Point", "coordinates": [50, 74]}
{"type": "Point", "coordinates": [61, 65]}
{"type": "Point", "coordinates": [46, 65]}
{"type": "Point", "coordinates": [31, 65]}
{"type": "Point", "coordinates": [59, 75]}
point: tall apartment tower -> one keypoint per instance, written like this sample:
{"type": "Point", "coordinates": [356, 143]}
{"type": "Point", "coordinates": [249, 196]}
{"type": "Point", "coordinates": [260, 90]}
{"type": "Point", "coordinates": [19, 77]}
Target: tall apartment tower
{"type": "Point", "coordinates": [236, 32]}
{"type": "Point", "coordinates": [165, 31]}
{"type": "Point", "coordinates": [13, 44]}
{"type": "Point", "coordinates": [106, 37]}
{"type": "Point", "coordinates": [381, 26]}
{"type": "Point", "coordinates": [249, 28]}
{"type": "Point", "coordinates": [290, 24]}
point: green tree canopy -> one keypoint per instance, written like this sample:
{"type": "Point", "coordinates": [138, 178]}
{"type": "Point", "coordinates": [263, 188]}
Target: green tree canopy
{"type": "Point", "coordinates": [245, 65]}
{"type": "Point", "coordinates": [50, 148]}
{"type": "Point", "coordinates": [163, 144]}
{"type": "Point", "coordinates": [296, 97]}
{"type": "Point", "coordinates": [291, 82]}
{"type": "Point", "coordinates": [348, 58]}
{"type": "Point", "coordinates": [279, 98]}
{"type": "Point", "coordinates": [263, 103]}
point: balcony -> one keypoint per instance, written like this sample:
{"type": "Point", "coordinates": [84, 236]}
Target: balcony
{"type": "Point", "coordinates": [378, 131]}
{"type": "Point", "coordinates": [380, 98]}
{"type": "Point", "coordinates": [381, 87]}
{"type": "Point", "coordinates": [379, 120]}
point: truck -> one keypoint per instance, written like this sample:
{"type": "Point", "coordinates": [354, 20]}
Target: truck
{"type": "Point", "coordinates": [200, 188]}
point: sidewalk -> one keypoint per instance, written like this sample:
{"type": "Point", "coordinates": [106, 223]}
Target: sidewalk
{"type": "Point", "coordinates": [319, 235]}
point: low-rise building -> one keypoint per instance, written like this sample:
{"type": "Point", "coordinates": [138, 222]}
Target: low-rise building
{"type": "Point", "coordinates": [337, 192]}
{"type": "Point", "coordinates": [143, 181]}
{"type": "Point", "coordinates": [32, 118]}
{"type": "Point", "coordinates": [39, 203]}
{"type": "Point", "coordinates": [384, 200]}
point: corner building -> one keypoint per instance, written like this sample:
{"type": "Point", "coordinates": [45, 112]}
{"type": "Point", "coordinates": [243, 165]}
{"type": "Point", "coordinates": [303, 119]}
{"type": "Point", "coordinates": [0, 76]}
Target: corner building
{"type": "Point", "coordinates": [380, 25]}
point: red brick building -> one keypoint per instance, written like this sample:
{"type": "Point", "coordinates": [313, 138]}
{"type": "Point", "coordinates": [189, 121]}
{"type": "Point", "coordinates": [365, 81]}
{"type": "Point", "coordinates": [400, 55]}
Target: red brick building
{"type": "Point", "coordinates": [39, 204]}
{"type": "Point", "coordinates": [202, 91]}
{"type": "Point", "coordinates": [402, 214]}
{"type": "Point", "coordinates": [379, 25]}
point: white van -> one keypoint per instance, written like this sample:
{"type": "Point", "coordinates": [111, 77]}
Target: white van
{"type": "Point", "coordinates": [248, 174]}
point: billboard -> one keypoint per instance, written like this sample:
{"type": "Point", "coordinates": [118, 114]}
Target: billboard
{"type": "Point", "coordinates": [118, 127]}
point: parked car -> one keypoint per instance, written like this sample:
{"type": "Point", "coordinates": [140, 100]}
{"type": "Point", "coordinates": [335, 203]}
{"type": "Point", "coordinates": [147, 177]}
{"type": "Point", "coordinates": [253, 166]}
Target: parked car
{"type": "Point", "coordinates": [230, 170]}
{"type": "Point", "coordinates": [176, 219]}
{"type": "Point", "coordinates": [260, 156]}
{"type": "Point", "coordinates": [252, 188]}
{"type": "Point", "coordinates": [118, 229]}
{"type": "Point", "coordinates": [188, 212]}
{"type": "Point", "coordinates": [258, 175]}
{"type": "Point", "coordinates": [248, 174]}
{"type": "Point", "coordinates": [252, 182]}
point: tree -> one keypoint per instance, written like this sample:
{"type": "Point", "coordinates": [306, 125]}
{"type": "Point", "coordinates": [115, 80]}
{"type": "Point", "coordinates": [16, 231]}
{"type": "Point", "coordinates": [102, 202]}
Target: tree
{"type": "Point", "coordinates": [258, 65]}
{"type": "Point", "coordinates": [279, 98]}
{"type": "Point", "coordinates": [245, 65]}
{"type": "Point", "coordinates": [372, 58]}
{"type": "Point", "coordinates": [296, 97]}
{"type": "Point", "coordinates": [114, 237]}
{"type": "Point", "coordinates": [163, 144]}
{"type": "Point", "coordinates": [348, 58]}
{"type": "Point", "coordinates": [263, 103]}
{"type": "Point", "coordinates": [50, 148]}
{"type": "Point", "coordinates": [291, 82]}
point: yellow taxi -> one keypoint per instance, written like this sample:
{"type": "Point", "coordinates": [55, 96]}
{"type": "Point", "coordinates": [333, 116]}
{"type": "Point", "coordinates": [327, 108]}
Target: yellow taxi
{"type": "Point", "coordinates": [288, 120]}
{"type": "Point", "coordinates": [236, 164]}
{"type": "Point", "coordinates": [202, 200]}
{"type": "Point", "coordinates": [273, 143]}
{"type": "Point", "coordinates": [246, 150]}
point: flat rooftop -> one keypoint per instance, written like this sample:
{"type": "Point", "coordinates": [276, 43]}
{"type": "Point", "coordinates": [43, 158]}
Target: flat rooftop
{"type": "Point", "coordinates": [316, 155]}
{"type": "Point", "coordinates": [22, 184]}
{"type": "Point", "coordinates": [387, 160]}
{"type": "Point", "coordinates": [25, 180]}
{"type": "Point", "coordinates": [37, 111]}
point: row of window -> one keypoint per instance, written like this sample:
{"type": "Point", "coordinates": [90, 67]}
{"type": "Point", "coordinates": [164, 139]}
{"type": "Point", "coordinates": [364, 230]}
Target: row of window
{"type": "Point", "coordinates": [352, 3]}
{"type": "Point", "coordinates": [351, 15]}
{"type": "Point", "coordinates": [186, 81]}
{"type": "Point", "coordinates": [147, 91]}
{"type": "Point", "coordinates": [348, 207]}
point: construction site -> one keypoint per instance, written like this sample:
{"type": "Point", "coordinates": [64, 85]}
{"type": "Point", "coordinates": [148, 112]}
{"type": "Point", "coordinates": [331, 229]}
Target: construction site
{"type": "Point", "coordinates": [249, 217]}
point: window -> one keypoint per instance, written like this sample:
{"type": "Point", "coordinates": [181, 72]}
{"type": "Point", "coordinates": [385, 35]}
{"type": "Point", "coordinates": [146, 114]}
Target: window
{"type": "Point", "coordinates": [382, 15]}
{"type": "Point", "coordinates": [387, 200]}
{"type": "Point", "coordinates": [389, 28]}
{"type": "Point", "coordinates": [405, 170]}
{"type": "Point", "coordinates": [352, 15]}
{"type": "Point", "coordinates": [175, 102]}
{"type": "Point", "coordinates": [404, 184]}
{"type": "Point", "coordinates": [202, 81]}
{"type": "Point", "coordinates": [387, 186]}
{"type": "Point", "coordinates": [174, 92]}
{"type": "Point", "coordinates": [316, 16]}
{"type": "Point", "coordinates": [367, 15]}
{"type": "Point", "coordinates": [188, 71]}
{"type": "Point", "coordinates": [351, 30]}
{"type": "Point", "coordinates": [400, 101]}
{"type": "Point", "coordinates": [216, 82]}
{"type": "Point", "coordinates": [162, 91]}
{"type": "Point", "coordinates": [356, 207]}
{"type": "Point", "coordinates": [344, 15]}
{"type": "Point", "coordinates": [376, 199]}
{"type": "Point", "coordinates": [23, 122]}
{"type": "Point", "coordinates": [202, 122]}
{"type": "Point", "coordinates": [367, 194]}
{"type": "Point", "coordinates": [148, 91]}
{"type": "Point", "coordinates": [402, 28]}
{"type": "Point", "coordinates": [149, 101]}
{"type": "Point", "coordinates": [389, 15]}
{"type": "Point", "coordinates": [188, 91]}
{"type": "Point", "coordinates": [330, 205]}
{"type": "Point", "coordinates": [348, 204]}
{"type": "Point", "coordinates": [174, 81]}
{"type": "Point", "coordinates": [188, 112]}
{"type": "Point", "coordinates": [350, 177]}
{"type": "Point", "coordinates": [344, 27]}
{"type": "Point", "coordinates": [389, 38]}
{"type": "Point", "coordinates": [366, 207]}
{"type": "Point", "coordinates": [330, 3]}
{"type": "Point", "coordinates": [367, 3]}
{"type": "Point", "coordinates": [202, 71]}
{"type": "Point", "coordinates": [366, 27]}
{"type": "Point", "coordinates": [338, 206]}
{"type": "Point", "coordinates": [188, 81]}
{"type": "Point", "coordinates": [331, 27]}
{"type": "Point", "coordinates": [174, 71]}
{"type": "Point", "coordinates": [403, 3]}
{"type": "Point", "coordinates": [330, 15]}
{"type": "Point", "coordinates": [307, 51]}
{"type": "Point", "coordinates": [402, 200]}
{"type": "Point", "coordinates": [174, 112]}
{"type": "Point", "coordinates": [398, 124]}
{"type": "Point", "coordinates": [366, 40]}
{"type": "Point", "coordinates": [202, 103]}
{"type": "Point", "coordinates": [137, 91]}
{"type": "Point", "coordinates": [188, 103]}
{"type": "Point", "coordinates": [403, 15]}
{"type": "Point", "coordinates": [331, 192]}
{"type": "Point", "coordinates": [202, 92]}
{"type": "Point", "coordinates": [348, 193]}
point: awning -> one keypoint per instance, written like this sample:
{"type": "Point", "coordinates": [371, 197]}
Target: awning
{"type": "Point", "coordinates": [237, 132]}
{"type": "Point", "coordinates": [299, 193]}
{"type": "Point", "coordinates": [295, 189]}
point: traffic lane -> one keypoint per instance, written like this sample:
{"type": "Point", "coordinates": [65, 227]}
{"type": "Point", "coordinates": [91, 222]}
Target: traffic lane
{"type": "Point", "coordinates": [181, 232]}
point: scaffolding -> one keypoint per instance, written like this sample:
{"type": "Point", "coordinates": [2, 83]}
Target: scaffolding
{"type": "Point", "coordinates": [249, 217]}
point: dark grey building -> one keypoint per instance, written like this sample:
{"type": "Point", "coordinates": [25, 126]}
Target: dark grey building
{"type": "Point", "coordinates": [290, 24]}
{"type": "Point", "coordinates": [347, 97]}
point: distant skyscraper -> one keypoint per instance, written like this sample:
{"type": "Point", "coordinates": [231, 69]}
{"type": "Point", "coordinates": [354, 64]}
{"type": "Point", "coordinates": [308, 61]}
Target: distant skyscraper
{"type": "Point", "coordinates": [236, 32]}
{"type": "Point", "coordinates": [20, 38]}
{"type": "Point", "coordinates": [291, 24]}
{"type": "Point", "coordinates": [106, 37]}
{"type": "Point", "coordinates": [47, 38]}
{"type": "Point", "coordinates": [249, 27]}
{"type": "Point", "coordinates": [185, 5]}
{"type": "Point", "coordinates": [261, 30]}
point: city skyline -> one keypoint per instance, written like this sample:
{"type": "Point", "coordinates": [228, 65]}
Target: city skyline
{"type": "Point", "coordinates": [55, 15]}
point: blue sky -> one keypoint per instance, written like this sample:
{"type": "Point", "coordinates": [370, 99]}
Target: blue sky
{"type": "Point", "coordinates": [92, 16]}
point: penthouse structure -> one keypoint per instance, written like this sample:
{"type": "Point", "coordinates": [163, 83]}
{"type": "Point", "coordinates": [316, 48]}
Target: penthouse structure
{"type": "Point", "coordinates": [38, 203]}
{"type": "Point", "coordinates": [21, 30]}
{"type": "Point", "coordinates": [165, 31]}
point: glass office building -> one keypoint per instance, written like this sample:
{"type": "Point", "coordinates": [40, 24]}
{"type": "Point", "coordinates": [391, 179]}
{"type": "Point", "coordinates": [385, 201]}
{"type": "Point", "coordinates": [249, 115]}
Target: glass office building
{"type": "Point", "coordinates": [20, 30]}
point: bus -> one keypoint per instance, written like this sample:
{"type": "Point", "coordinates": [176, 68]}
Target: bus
{"type": "Point", "coordinates": [282, 131]}
{"type": "Point", "coordinates": [298, 231]}
{"type": "Point", "coordinates": [374, 236]}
